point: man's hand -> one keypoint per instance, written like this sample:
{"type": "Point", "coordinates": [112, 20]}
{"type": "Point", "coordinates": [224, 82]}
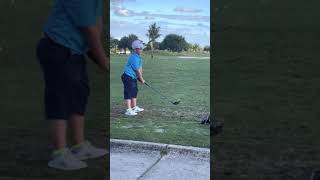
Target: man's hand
{"type": "Point", "coordinates": [91, 56]}
{"type": "Point", "coordinates": [96, 51]}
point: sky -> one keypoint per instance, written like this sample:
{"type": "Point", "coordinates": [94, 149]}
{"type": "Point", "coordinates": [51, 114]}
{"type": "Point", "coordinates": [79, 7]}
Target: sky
{"type": "Point", "coordinates": [189, 18]}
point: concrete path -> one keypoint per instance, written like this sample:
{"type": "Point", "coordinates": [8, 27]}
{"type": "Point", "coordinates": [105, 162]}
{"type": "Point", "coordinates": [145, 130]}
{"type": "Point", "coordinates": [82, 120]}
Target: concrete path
{"type": "Point", "coordinates": [135, 160]}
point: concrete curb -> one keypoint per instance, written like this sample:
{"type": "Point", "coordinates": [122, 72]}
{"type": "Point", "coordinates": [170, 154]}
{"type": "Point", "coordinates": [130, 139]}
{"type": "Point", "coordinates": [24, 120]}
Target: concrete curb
{"type": "Point", "coordinates": [168, 148]}
{"type": "Point", "coordinates": [195, 151]}
{"type": "Point", "coordinates": [120, 143]}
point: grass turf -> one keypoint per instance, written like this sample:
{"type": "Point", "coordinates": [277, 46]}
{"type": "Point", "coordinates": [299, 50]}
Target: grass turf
{"type": "Point", "coordinates": [180, 79]}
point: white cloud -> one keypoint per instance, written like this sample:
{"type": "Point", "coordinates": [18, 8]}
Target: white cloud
{"type": "Point", "coordinates": [118, 7]}
{"type": "Point", "coordinates": [121, 12]}
{"type": "Point", "coordinates": [194, 27]}
{"type": "Point", "coordinates": [187, 10]}
{"type": "Point", "coordinates": [127, 12]}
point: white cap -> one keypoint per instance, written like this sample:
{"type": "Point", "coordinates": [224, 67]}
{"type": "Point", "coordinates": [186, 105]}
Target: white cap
{"type": "Point", "coordinates": [137, 44]}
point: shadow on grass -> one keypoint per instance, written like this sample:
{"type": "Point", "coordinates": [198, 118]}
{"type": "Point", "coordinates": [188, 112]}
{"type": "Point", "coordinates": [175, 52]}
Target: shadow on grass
{"type": "Point", "coordinates": [25, 154]}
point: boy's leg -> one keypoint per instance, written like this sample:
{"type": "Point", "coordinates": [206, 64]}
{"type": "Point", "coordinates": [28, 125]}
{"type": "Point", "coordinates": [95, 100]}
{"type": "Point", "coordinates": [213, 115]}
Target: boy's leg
{"type": "Point", "coordinates": [58, 133]}
{"type": "Point", "coordinates": [129, 110]}
{"type": "Point", "coordinates": [127, 93]}
{"type": "Point", "coordinates": [134, 94]}
{"type": "Point", "coordinates": [133, 102]}
{"type": "Point", "coordinates": [134, 105]}
{"type": "Point", "coordinates": [76, 124]}
{"type": "Point", "coordinates": [129, 103]}
{"type": "Point", "coordinates": [126, 90]}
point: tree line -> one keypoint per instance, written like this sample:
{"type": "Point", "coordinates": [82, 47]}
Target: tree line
{"type": "Point", "coordinates": [171, 42]}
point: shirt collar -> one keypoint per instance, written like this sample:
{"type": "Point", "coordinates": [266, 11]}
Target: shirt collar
{"type": "Point", "coordinates": [134, 53]}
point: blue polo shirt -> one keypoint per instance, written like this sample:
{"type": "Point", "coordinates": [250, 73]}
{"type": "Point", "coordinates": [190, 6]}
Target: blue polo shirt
{"type": "Point", "coordinates": [68, 16]}
{"type": "Point", "coordinates": [134, 63]}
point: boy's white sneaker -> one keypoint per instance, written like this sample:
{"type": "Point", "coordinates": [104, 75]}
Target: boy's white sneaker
{"type": "Point", "coordinates": [137, 109]}
{"type": "Point", "coordinates": [66, 161]}
{"type": "Point", "coordinates": [130, 112]}
{"type": "Point", "coordinates": [87, 151]}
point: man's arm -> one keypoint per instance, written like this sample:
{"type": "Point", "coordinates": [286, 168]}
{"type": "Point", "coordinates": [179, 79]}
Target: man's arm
{"type": "Point", "coordinates": [140, 77]}
{"type": "Point", "coordinates": [100, 25]}
{"type": "Point", "coordinates": [95, 46]}
{"type": "Point", "coordinates": [84, 16]}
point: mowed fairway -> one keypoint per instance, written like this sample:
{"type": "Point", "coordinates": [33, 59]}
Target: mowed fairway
{"type": "Point", "coordinates": [24, 142]}
{"type": "Point", "coordinates": [182, 79]}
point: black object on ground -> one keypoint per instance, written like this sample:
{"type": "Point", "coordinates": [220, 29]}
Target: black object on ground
{"type": "Point", "coordinates": [216, 127]}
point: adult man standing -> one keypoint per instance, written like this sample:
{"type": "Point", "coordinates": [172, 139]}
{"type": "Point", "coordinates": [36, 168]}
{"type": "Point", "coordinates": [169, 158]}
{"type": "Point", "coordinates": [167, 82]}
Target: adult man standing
{"type": "Point", "coordinates": [73, 29]}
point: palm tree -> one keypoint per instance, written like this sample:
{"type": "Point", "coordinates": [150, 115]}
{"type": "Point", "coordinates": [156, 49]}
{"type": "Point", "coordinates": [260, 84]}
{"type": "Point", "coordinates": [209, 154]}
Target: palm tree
{"type": "Point", "coordinates": [195, 47]}
{"type": "Point", "coordinates": [153, 34]}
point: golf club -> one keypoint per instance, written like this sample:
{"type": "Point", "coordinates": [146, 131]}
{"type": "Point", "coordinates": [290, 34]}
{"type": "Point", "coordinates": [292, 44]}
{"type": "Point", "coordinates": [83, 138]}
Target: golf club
{"type": "Point", "coordinates": [172, 102]}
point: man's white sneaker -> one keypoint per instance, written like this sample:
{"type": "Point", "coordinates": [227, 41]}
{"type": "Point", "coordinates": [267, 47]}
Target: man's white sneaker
{"type": "Point", "coordinates": [66, 161]}
{"type": "Point", "coordinates": [130, 112]}
{"type": "Point", "coordinates": [87, 151]}
{"type": "Point", "coordinates": [137, 109]}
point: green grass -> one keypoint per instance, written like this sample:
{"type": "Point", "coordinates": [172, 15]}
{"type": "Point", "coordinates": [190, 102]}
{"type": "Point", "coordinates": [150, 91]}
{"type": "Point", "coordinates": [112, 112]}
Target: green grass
{"type": "Point", "coordinates": [183, 79]}
{"type": "Point", "coordinates": [24, 145]}
{"type": "Point", "coordinates": [265, 88]}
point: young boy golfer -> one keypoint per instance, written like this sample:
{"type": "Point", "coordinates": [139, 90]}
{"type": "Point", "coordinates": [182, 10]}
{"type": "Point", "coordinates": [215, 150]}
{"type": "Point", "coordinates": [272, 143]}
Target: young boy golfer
{"type": "Point", "coordinates": [73, 28]}
{"type": "Point", "coordinates": [133, 71]}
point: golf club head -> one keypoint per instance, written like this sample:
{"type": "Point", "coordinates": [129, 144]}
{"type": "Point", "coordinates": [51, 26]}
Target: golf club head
{"type": "Point", "coordinates": [175, 102]}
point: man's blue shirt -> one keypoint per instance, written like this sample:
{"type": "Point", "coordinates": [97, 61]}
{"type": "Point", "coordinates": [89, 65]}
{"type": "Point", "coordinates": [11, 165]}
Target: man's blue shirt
{"type": "Point", "coordinates": [66, 19]}
{"type": "Point", "coordinates": [134, 63]}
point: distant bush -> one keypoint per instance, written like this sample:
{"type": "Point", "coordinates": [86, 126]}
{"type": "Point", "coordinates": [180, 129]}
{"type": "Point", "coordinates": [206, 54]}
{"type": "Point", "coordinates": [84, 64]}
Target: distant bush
{"type": "Point", "coordinates": [175, 43]}
{"type": "Point", "coordinates": [171, 53]}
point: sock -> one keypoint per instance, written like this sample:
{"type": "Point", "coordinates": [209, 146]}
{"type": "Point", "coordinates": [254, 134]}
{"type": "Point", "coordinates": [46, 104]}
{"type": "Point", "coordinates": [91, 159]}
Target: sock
{"type": "Point", "coordinates": [59, 151]}
{"type": "Point", "coordinates": [76, 146]}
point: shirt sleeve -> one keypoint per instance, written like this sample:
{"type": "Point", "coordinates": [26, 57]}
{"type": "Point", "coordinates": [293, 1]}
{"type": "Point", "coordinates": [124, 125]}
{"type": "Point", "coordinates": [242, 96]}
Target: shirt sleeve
{"type": "Point", "coordinates": [83, 13]}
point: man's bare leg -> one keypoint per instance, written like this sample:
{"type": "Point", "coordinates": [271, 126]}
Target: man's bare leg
{"type": "Point", "coordinates": [76, 124]}
{"type": "Point", "coordinates": [58, 133]}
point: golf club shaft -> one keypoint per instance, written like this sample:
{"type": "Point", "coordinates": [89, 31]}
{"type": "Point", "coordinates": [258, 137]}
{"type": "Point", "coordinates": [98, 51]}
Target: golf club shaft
{"type": "Point", "coordinates": [158, 92]}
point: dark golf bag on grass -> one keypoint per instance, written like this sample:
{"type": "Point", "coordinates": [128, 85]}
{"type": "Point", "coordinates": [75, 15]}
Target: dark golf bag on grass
{"type": "Point", "coordinates": [215, 126]}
